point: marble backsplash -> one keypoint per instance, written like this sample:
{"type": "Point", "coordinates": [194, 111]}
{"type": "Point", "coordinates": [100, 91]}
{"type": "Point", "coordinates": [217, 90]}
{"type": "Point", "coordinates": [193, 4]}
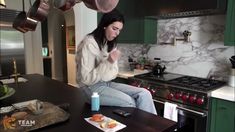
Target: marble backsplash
{"type": "Point", "coordinates": [203, 56]}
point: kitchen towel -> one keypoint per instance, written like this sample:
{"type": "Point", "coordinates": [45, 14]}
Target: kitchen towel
{"type": "Point", "coordinates": [170, 111]}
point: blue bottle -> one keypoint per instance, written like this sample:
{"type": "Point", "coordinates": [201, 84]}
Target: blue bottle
{"type": "Point", "coordinates": [95, 101]}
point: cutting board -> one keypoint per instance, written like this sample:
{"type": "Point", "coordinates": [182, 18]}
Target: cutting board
{"type": "Point", "coordinates": [51, 114]}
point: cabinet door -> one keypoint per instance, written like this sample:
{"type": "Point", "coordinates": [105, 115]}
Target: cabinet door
{"type": "Point", "coordinates": [137, 28]}
{"type": "Point", "coordinates": [222, 116]}
{"type": "Point", "coordinates": [229, 35]}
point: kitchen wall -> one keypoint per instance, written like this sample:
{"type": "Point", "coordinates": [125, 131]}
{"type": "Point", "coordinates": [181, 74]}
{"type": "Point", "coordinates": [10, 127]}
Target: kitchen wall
{"type": "Point", "coordinates": [85, 22]}
{"type": "Point", "coordinates": [204, 55]}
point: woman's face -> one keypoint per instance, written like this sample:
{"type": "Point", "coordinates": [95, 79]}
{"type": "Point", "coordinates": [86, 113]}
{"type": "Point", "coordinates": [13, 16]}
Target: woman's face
{"type": "Point", "coordinates": [113, 30]}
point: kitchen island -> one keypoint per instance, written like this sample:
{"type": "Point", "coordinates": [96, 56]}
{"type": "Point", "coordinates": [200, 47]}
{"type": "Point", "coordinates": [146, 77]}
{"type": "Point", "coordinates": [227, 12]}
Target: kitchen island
{"type": "Point", "coordinates": [48, 90]}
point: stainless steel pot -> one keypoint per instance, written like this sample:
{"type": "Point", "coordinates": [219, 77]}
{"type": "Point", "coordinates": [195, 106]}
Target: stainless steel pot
{"type": "Point", "coordinates": [39, 10]}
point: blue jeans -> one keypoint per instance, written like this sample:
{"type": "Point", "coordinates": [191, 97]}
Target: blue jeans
{"type": "Point", "coordinates": [123, 95]}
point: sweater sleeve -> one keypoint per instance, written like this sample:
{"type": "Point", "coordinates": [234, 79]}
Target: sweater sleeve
{"type": "Point", "coordinates": [93, 71]}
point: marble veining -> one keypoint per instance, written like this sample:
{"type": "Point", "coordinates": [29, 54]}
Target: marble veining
{"type": "Point", "coordinates": [204, 55]}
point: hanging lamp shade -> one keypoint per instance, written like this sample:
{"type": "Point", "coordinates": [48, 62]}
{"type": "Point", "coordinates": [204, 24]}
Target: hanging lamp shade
{"type": "Point", "coordinates": [2, 4]}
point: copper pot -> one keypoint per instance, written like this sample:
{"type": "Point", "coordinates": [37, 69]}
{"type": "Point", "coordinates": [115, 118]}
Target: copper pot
{"type": "Point", "coordinates": [39, 10]}
{"type": "Point", "coordinates": [64, 4]}
{"type": "Point", "coordinates": [98, 5]}
{"type": "Point", "coordinates": [23, 23]}
{"type": "Point", "coordinates": [101, 5]}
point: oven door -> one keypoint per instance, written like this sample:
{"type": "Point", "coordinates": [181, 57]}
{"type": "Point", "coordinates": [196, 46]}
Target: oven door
{"type": "Point", "coordinates": [188, 120]}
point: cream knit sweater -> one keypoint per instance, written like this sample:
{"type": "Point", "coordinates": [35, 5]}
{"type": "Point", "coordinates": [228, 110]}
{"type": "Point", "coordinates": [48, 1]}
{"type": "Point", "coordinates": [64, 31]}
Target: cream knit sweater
{"type": "Point", "coordinates": [92, 63]}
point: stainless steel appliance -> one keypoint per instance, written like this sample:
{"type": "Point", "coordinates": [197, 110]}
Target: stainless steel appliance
{"type": "Point", "coordinates": [189, 93]}
{"type": "Point", "coordinates": [11, 46]}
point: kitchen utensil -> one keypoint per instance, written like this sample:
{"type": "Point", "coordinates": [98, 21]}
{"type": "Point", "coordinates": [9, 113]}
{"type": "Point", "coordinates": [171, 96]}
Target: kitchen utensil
{"type": "Point", "coordinates": [64, 4]}
{"type": "Point", "coordinates": [39, 10]}
{"type": "Point", "coordinates": [233, 57]}
{"type": "Point", "coordinates": [232, 62]}
{"type": "Point", "coordinates": [23, 23]}
{"type": "Point", "coordinates": [98, 5]}
{"type": "Point", "coordinates": [101, 5]}
{"type": "Point", "coordinates": [158, 69]}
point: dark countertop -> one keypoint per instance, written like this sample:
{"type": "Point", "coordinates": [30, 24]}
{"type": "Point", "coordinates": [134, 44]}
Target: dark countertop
{"type": "Point", "coordinates": [48, 90]}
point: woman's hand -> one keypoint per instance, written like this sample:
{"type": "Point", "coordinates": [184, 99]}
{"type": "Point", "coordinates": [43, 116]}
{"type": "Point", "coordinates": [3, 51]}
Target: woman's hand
{"type": "Point", "coordinates": [114, 55]}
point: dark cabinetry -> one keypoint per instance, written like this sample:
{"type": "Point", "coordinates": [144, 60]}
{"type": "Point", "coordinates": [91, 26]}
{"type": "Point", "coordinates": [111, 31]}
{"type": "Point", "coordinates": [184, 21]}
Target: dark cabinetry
{"type": "Point", "coordinates": [47, 66]}
{"type": "Point", "coordinates": [47, 69]}
{"type": "Point", "coordinates": [137, 28]}
{"type": "Point", "coordinates": [229, 35]}
{"type": "Point", "coordinates": [221, 116]}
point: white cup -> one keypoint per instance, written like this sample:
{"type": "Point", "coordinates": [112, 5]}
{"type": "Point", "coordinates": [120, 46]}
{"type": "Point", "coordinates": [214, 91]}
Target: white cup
{"type": "Point", "coordinates": [231, 78]}
{"type": "Point", "coordinates": [231, 81]}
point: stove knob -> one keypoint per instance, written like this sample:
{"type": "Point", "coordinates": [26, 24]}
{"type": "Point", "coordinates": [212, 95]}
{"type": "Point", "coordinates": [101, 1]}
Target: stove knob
{"type": "Point", "coordinates": [153, 91]}
{"type": "Point", "coordinates": [185, 97]}
{"type": "Point", "coordinates": [170, 96]}
{"type": "Point", "coordinates": [178, 95]}
{"type": "Point", "coordinates": [147, 87]}
{"type": "Point", "coordinates": [192, 99]}
{"type": "Point", "coordinates": [200, 101]}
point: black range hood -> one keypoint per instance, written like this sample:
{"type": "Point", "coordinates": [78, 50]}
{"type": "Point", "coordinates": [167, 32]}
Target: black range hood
{"type": "Point", "coordinates": [164, 9]}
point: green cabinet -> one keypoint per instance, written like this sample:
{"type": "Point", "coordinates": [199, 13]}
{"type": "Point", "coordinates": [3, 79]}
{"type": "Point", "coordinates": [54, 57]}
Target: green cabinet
{"type": "Point", "coordinates": [229, 35]}
{"type": "Point", "coordinates": [137, 28]}
{"type": "Point", "coordinates": [221, 116]}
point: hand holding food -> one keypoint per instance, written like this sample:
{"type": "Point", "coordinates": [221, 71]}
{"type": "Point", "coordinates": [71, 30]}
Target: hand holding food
{"type": "Point", "coordinates": [114, 55]}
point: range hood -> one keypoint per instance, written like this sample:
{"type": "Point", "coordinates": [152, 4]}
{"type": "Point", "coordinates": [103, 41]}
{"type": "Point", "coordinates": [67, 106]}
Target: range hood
{"type": "Point", "coordinates": [164, 9]}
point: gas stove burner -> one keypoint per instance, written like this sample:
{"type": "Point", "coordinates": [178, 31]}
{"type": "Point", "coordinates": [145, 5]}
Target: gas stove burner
{"type": "Point", "coordinates": [164, 77]}
{"type": "Point", "coordinates": [187, 82]}
{"type": "Point", "coordinates": [197, 83]}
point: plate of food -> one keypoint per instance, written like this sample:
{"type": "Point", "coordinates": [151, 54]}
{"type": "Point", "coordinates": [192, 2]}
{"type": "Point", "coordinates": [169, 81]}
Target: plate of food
{"type": "Point", "coordinates": [105, 123]}
{"type": "Point", "coordinates": [6, 91]}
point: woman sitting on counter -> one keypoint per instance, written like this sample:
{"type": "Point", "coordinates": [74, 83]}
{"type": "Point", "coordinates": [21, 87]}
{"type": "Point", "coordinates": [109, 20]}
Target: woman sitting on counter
{"type": "Point", "coordinates": [96, 60]}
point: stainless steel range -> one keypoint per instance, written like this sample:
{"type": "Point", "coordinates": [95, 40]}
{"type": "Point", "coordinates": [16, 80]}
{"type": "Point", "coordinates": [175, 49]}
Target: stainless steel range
{"type": "Point", "coordinates": [191, 94]}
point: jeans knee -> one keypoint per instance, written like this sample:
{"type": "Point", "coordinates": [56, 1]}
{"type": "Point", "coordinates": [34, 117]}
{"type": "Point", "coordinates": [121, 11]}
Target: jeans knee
{"type": "Point", "coordinates": [146, 92]}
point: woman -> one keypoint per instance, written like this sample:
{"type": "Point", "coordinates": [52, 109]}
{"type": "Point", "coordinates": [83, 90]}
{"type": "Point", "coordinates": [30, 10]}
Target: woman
{"type": "Point", "coordinates": [97, 65]}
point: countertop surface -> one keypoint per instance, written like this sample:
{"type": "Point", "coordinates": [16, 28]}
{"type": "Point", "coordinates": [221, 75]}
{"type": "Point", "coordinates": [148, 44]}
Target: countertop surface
{"type": "Point", "coordinates": [58, 93]}
{"type": "Point", "coordinates": [126, 74]}
{"type": "Point", "coordinates": [225, 93]}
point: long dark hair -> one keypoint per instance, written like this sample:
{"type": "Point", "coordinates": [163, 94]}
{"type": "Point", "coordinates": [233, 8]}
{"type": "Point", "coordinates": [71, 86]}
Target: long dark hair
{"type": "Point", "coordinates": [106, 20]}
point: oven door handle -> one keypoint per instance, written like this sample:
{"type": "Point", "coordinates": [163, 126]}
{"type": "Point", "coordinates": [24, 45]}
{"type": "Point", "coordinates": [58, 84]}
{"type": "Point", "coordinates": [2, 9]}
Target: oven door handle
{"type": "Point", "coordinates": [184, 109]}
{"type": "Point", "coordinates": [193, 111]}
